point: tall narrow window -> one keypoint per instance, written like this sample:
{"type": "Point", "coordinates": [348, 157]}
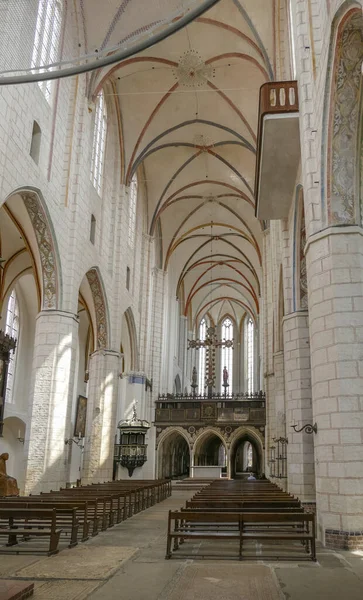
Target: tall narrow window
{"type": "Point", "coordinates": [227, 354]}
{"type": "Point", "coordinates": [47, 39]}
{"type": "Point", "coordinates": [35, 143]}
{"type": "Point", "coordinates": [250, 334]}
{"type": "Point", "coordinates": [292, 41]}
{"type": "Point", "coordinates": [201, 359]}
{"type": "Point", "coordinates": [132, 210]}
{"type": "Point", "coordinates": [12, 329]}
{"type": "Point", "coordinates": [99, 143]}
{"type": "Point", "coordinates": [92, 233]}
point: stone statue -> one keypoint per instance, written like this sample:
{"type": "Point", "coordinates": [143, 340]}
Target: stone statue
{"type": "Point", "coordinates": [8, 485]}
{"type": "Point", "coordinates": [225, 377]}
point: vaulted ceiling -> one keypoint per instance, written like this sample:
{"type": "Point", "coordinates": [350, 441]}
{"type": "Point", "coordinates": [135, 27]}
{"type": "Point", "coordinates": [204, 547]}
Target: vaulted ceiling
{"type": "Point", "coordinates": [189, 112]}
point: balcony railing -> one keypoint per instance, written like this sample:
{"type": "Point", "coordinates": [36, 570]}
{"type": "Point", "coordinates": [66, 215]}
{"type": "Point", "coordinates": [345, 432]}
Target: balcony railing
{"type": "Point", "coordinates": [238, 408]}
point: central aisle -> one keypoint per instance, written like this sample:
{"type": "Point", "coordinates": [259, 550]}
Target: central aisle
{"type": "Point", "coordinates": [146, 575]}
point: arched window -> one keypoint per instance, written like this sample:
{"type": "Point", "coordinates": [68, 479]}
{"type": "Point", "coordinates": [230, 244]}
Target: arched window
{"type": "Point", "coordinates": [201, 359]}
{"type": "Point", "coordinates": [99, 143]}
{"type": "Point", "coordinates": [12, 329]}
{"type": "Point", "coordinates": [250, 355]}
{"type": "Point", "coordinates": [132, 211]}
{"type": "Point", "coordinates": [227, 353]}
{"type": "Point", "coordinates": [47, 39]}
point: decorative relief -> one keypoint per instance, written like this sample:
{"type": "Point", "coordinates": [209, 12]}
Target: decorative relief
{"type": "Point", "coordinates": [100, 308]}
{"type": "Point", "coordinates": [192, 70]}
{"type": "Point", "coordinates": [192, 434]}
{"type": "Point", "coordinates": [46, 249]}
{"type": "Point", "coordinates": [344, 121]}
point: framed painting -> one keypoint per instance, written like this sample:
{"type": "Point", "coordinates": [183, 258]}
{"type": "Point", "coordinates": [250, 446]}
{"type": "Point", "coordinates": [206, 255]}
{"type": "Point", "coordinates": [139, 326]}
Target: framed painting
{"type": "Point", "coordinates": [80, 425]}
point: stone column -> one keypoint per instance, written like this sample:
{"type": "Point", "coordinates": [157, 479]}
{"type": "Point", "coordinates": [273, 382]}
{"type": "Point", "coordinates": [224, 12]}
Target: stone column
{"type": "Point", "coordinates": [300, 449]}
{"type": "Point", "coordinates": [335, 283]}
{"type": "Point", "coordinates": [50, 400]}
{"type": "Point", "coordinates": [101, 423]}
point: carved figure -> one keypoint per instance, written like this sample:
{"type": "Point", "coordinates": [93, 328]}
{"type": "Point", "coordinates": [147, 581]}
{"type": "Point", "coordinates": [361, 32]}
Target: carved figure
{"type": "Point", "coordinates": [225, 376]}
{"type": "Point", "coordinates": [8, 485]}
{"type": "Point", "coordinates": [194, 377]}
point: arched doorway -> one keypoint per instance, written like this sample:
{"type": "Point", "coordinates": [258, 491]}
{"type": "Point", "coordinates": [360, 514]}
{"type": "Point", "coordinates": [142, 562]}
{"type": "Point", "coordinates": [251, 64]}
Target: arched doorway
{"type": "Point", "coordinates": [210, 450]}
{"type": "Point", "coordinates": [246, 457]}
{"type": "Point", "coordinates": [174, 456]}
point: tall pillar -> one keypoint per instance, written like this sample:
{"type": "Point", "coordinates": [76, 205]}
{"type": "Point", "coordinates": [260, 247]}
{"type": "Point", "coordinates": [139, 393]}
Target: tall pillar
{"type": "Point", "coordinates": [335, 284]}
{"type": "Point", "coordinates": [101, 423]}
{"type": "Point", "coordinates": [50, 400]}
{"type": "Point", "coordinates": [300, 449]}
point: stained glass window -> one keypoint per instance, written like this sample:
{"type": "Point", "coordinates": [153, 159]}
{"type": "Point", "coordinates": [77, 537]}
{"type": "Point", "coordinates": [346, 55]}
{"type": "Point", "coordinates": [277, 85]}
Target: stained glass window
{"type": "Point", "coordinates": [227, 353]}
{"type": "Point", "coordinates": [12, 329]}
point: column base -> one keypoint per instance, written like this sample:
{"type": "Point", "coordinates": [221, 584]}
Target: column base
{"type": "Point", "coordinates": [338, 539]}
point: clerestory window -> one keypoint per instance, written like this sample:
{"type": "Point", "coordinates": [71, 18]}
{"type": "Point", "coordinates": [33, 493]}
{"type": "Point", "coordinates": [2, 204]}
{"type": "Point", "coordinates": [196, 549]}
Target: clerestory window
{"type": "Point", "coordinates": [99, 143]}
{"type": "Point", "coordinates": [250, 334]}
{"type": "Point", "coordinates": [201, 358]}
{"type": "Point", "coordinates": [227, 354]}
{"type": "Point", "coordinates": [132, 211]}
{"type": "Point", "coordinates": [47, 40]}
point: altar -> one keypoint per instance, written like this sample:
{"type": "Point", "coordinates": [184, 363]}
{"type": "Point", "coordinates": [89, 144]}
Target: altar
{"type": "Point", "coordinates": [206, 472]}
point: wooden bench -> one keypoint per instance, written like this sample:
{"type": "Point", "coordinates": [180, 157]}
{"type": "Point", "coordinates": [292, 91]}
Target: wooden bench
{"type": "Point", "coordinates": [202, 526]}
{"type": "Point", "coordinates": [67, 515]}
{"type": "Point", "coordinates": [24, 522]}
{"type": "Point", "coordinates": [281, 526]}
{"type": "Point", "coordinates": [259, 526]}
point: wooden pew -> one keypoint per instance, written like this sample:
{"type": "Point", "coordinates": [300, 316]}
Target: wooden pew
{"type": "Point", "coordinates": [210, 526]}
{"type": "Point", "coordinates": [72, 518]}
{"type": "Point", "coordinates": [24, 522]}
{"type": "Point", "coordinates": [288, 527]}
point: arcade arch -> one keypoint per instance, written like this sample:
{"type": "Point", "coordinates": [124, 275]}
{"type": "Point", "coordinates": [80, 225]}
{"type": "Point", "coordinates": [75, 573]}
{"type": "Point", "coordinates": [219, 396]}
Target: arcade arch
{"type": "Point", "coordinates": [210, 450]}
{"type": "Point", "coordinates": [173, 456]}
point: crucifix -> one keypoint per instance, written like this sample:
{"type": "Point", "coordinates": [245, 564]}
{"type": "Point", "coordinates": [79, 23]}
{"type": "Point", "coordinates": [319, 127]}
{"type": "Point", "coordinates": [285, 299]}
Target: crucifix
{"type": "Point", "coordinates": [210, 344]}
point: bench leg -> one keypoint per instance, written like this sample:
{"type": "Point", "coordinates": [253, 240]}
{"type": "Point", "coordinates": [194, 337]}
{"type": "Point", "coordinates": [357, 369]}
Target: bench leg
{"type": "Point", "coordinates": [95, 526]}
{"type": "Point", "coordinates": [53, 544]}
{"type": "Point", "coordinates": [12, 539]}
{"type": "Point", "coordinates": [168, 547]}
{"type": "Point", "coordinates": [313, 549]}
{"type": "Point", "coordinates": [74, 537]}
{"type": "Point", "coordinates": [85, 535]}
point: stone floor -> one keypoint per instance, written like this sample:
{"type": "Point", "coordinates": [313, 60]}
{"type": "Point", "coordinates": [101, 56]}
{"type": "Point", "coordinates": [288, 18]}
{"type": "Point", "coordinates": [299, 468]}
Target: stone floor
{"type": "Point", "coordinates": [127, 562]}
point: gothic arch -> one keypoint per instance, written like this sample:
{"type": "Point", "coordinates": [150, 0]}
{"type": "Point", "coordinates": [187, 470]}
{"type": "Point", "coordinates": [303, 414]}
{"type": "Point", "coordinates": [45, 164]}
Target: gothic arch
{"type": "Point", "coordinates": [49, 265]}
{"type": "Point", "coordinates": [342, 118]}
{"type": "Point", "coordinates": [131, 326]}
{"type": "Point", "coordinates": [100, 307]}
{"type": "Point", "coordinates": [166, 437]}
{"type": "Point", "coordinates": [252, 435]}
{"type": "Point", "coordinates": [205, 433]}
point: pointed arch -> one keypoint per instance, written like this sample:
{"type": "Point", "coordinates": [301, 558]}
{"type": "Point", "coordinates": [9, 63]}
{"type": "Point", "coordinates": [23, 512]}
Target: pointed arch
{"type": "Point", "coordinates": [47, 248]}
{"type": "Point", "coordinates": [100, 306]}
{"type": "Point", "coordinates": [342, 118]}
